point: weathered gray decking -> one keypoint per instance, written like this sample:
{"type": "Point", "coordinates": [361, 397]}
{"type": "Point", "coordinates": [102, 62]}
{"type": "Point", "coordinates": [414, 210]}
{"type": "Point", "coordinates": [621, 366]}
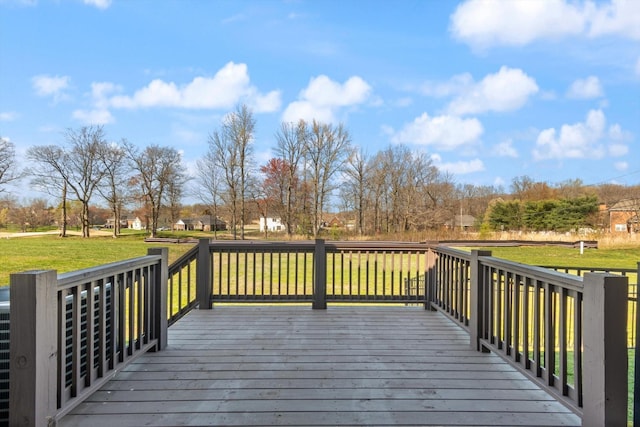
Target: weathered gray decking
{"type": "Point", "coordinates": [284, 365]}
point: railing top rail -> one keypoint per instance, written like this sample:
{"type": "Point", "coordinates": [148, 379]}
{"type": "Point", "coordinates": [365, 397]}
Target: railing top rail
{"type": "Point", "coordinates": [66, 280]}
{"type": "Point", "coordinates": [566, 280]}
{"type": "Point", "coordinates": [592, 269]}
{"type": "Point", "coordinates": [185, 257]}
{"type": "Point", "coordinates": [377, 245]}
{"type": "Point", "coordinates": [249, 245]}
{"type": "Point", "coordinates": [309, 245]}
{"type": "Point", "coordinates": [453, 252]}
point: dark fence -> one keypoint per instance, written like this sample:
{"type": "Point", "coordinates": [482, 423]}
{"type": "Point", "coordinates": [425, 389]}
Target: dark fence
{"type": "Point", "coordinates": [71, 333]}
{"type": "Point", "coordinates": [540, 321]}
{"type": "Point", "coordinates": [316, 272]}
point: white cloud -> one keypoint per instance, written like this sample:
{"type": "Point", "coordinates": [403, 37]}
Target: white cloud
{"type": "Point", "coordinates": [100, 4]}
{"type": "Point", "coordinates": [230, 85]}
{"type": "Point", "coordinates": [485, 23]}
{"type": "Point", "coordinates": [507, 90]}
{"type": "Point", "coordinates": [307, 111]}
{"type": "Point", "coordinates": [621, 166]}
{"type": "Point", "coordinates": [462, 167]}
{"type": "Point", "coordinates": [580, 140]}
{"type": "Point", "coordinates": [618, 150]}
{"type": "Point", "coordinates": [444, 132]}
{"type": "Point", "coordinates": [619, 17]}
{"type": "Point", "coordinates": [323, 97]}
{"type": "Point", "coordinates": [8, 116]}
{"type": "Point", "coordinates": [456, 85]}
{"type": "Point", "coordinates": [586, 88]}
{"type": "Point", "coordinates": [93, 117]}
{"type": "Point", "coordinates": [55, 86]}
{"type": "Point", "coordinates": [505, 149]}
{"type": "Point", "coordinates": [100, 92]}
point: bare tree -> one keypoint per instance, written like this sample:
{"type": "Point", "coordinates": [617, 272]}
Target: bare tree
{"type": "Point", "coordinates": [232, 150]}
{"type": "Point", "coordinates": [226, 160]}
{"type": "Point", "coordinates": [155, 169]}
{"type": "Point", "coordinates": [80, 167]}
{"type": "Point", "coordinates": [46, 177]}
{"type": "Point", "coordinates": [117, 174]}
{"type": "Point", "coordinates": [327, 149]}
{"type": "Point", "coordinates": [175, 191]}
{"type": "Point", "coordinates": [290, 148]}
{"type": "Point", "coordinates": [356, 185]}
{"type": "Point", "coordinates": [37, 213]}
{"type": "Point", "coordinates": [208, 187]}
{"type": "Point", "coordinates": [8, 171]}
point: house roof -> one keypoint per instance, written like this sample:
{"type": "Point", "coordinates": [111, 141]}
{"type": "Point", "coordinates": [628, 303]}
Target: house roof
{"type": "Point", "coordinates": [462, 221]}
{"type": "Point", "coordinates": [626, 205]}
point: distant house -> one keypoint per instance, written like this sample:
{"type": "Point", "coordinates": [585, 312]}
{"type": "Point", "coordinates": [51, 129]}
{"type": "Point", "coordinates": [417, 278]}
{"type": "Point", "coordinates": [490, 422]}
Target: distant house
{"type": "Point", "coordinates": [126, 222]}
{"type": "Point", "coordinates": [271, 224]}
{"type": "Point", "coordinates": [211, 223]}
{"type": "Point", "coordinates": [623, 216]}
{"type": "Point", "coordinates": [203, 223]}
{"type": "Point", "coordinates": [136, 224]}
{"type": "Point", "coordinates": [464, 222]}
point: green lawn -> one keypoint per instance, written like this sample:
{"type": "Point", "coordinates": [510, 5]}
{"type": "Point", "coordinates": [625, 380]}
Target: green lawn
{"type": "Point", "coordinates": [569, 257]}
{"type": "Point", "coordinates": [72, 253]}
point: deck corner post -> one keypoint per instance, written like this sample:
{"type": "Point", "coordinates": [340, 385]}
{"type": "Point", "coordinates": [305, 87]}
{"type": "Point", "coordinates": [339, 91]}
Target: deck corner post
{"type": "Point", "coordinates": [161, 288]}
{"type": "Point", "coordinates": [203, 276]}
{"type": "Point", "coordinates": [319, 276]}
{"type": "Point", "coordinates": [605, 350]}
{"type": "Point", "coordinates": [33, 352]}
{"type": "Point", "coordinates": [476, 319]}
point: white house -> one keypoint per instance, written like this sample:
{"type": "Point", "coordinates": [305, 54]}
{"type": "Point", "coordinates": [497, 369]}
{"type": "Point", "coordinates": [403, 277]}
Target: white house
{"type": "Point", "coordinates": [271, 224]}
{"type": "Point", "coordinates": [137, 224]}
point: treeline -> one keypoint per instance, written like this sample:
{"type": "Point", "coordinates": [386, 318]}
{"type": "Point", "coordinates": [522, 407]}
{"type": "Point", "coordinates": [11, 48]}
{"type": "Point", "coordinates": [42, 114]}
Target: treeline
{"type": "Point", "coordinates": [545, 215]}
{"type": "Point", "coordinates": [316, 169]}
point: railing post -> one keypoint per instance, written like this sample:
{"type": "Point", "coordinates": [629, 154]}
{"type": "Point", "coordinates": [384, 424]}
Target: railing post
{"type": "Point", "coordinates": [430, 278]}
{"type": "Point", "coordinates": [34, 348]}
{"type": "Point", "coordinates": [636, 374]}
{"type": "Point", "coordinates": [605, 350]}
{"type": "Point", "coordinates": [160, 321]}
{"type": "Point", "coordinates": [203, 276]}
{"type": "Point", "coordinates": [476, 299]}
{"type": "Point", "coordinates": [319, 276]}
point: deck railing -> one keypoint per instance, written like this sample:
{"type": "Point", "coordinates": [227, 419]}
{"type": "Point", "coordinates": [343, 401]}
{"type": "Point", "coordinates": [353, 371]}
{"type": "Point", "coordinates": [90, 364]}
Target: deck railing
{"type": "Point", "coordinates": [181, 287]}
{"type": "Point", "coordinates": [316, 272]}
{"type": "Point", "coordinates": [70, 333]}
{"type": "Point", "coordinates": [89, 323]}
{"type": "Point", "coordinates": [541, 321]}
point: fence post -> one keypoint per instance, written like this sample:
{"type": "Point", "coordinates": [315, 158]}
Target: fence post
{"type": "Point", "coordinates": [160, 322]}
{"type": "Point", "coordinates": [636, 374]}
{"type": "Point", "coordinates": [429, 278]}
{"type": "Point", "coordinates": [319, 276]}
{"type": "Point", "coordinates": [476, 299]}
{"type": "Point", "coordinates": [605, 350]}
{"type": "Point", "coordinates": [203, 276]}
{"type": "Point", "coordinates": [33, 352]}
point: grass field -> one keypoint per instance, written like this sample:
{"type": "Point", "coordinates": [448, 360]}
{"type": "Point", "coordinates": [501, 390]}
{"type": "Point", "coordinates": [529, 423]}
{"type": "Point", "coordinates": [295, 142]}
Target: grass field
{"type": "Point", "coordinates": [73, 253]}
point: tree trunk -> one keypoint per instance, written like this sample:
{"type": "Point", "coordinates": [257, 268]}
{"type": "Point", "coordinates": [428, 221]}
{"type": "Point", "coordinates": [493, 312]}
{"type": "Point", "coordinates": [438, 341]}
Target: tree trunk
{"type": "Point", "coordinates": [63, 228]}
{"type": "Point", "coordinates": [85, 219]}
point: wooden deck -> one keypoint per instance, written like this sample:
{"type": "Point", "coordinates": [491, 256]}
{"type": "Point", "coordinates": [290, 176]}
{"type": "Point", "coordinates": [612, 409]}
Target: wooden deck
{"type": "Point", "coordinates": [258, 365]}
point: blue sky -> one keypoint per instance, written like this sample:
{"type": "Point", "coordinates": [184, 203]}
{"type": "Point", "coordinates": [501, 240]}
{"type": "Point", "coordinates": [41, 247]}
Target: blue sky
{"type": "Point", "coordinates": [490, 89]}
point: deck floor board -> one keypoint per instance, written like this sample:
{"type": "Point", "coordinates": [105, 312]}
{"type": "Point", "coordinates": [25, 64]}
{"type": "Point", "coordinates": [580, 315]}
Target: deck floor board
{"type": "Point", "coordinates": [290, 365]}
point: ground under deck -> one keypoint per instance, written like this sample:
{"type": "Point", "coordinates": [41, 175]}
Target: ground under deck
{"type": "Point", "coordinates": [283, 365]}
